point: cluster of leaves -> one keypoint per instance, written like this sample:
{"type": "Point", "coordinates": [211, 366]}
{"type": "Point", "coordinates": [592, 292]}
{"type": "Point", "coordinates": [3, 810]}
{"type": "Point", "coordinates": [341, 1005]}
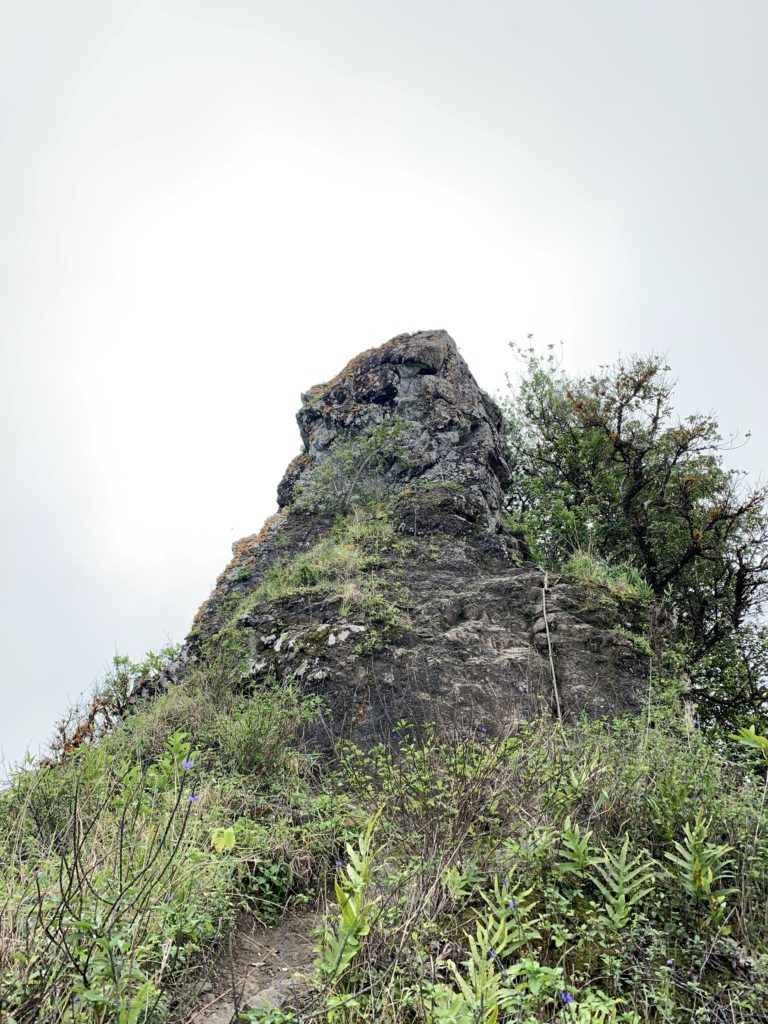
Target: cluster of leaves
{"type": "Point", "coordinates": [97, 716]}
{"type": "Point", "coordinates": [595, 874]}
{"type": "Point", "coordinates": [605, 471]}
{"type": "Point", "coordinates": [615, 582]}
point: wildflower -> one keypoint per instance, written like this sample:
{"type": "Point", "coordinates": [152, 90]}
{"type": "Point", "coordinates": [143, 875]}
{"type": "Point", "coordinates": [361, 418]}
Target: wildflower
{"type": "Point", "coordinates": [339, 863]}
{"type": "Point", "coordinates": [192, 797]}
{"type": "Point", "coordinates": [566, 997]}
{"type": "Point", "coordinates": [168, 897]}
{"type": "Point", "coordinates": [186, 765]}
{"type": "Point", "coordinates": [670, 961]}
{"type": "Point", "coordinates": [511, 904]}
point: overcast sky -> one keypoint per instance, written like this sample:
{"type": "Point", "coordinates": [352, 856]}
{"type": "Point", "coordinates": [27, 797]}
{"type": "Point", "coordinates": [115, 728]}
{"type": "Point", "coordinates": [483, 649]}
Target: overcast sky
{"type": "Point", "coordinates": [207, 206]}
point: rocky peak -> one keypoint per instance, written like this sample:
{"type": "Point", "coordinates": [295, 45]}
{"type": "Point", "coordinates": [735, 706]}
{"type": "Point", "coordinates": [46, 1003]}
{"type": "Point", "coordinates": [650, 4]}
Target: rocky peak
{"type": "Point", "coordinates": [389, 584]}
{"type": "Point", "coordinates": [444, 427]}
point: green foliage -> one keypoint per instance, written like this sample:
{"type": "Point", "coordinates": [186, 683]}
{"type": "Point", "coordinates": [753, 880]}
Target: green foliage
{"type": "Point", "coordinates": [603, 466]}
{"type": "Point", "coordinates": [483, 988]}
{"type": "Point", "coordinates": [342, 938]}
{"type": "Point", "coordinates": [701, 866]}
{"type": "Point", "coordinates": [125, 860]}
{"type": "Point", "coordinates": [749, 738]}
{"type": "Point", "coordinates": [576, 855]}
{"type": "Point", "coordinates": [359, 469]}
{"type": "Point", "coordinates": [253, 736]}
{"type": "Point", "coordinates": [623, 881]}
{"type": "Point", "coordinates": [606, 872]}
{"type": "Point", "coordinates": [109, 700]}
{"type": "Point", "coordinates": [223, 839]}
{"type": "Point", "coordinates": [534, 877]}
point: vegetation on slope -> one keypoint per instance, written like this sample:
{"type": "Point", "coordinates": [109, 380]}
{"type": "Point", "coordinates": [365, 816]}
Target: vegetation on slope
{"type": "Point", "coordinates": [125, 860]}
{"type": "Point", "coordinates": [603, 872]}
{"type": "Point", "coordinates": [604, 468]}
{"type": "Point", "coordinates": [609, 872]}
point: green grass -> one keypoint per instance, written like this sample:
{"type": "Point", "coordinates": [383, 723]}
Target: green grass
{"type": "Point", "coordinates": [342, 565]}
{"type": "Point", "coordinates": [617, 581]}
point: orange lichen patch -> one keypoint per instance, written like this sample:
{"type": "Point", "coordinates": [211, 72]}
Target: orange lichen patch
{"type": "Point", "coordinates": [242, 550]}
{"type": "Point", "coordinates": [295, 466]}
{"type": "Point", "coordinates": [246, 546]}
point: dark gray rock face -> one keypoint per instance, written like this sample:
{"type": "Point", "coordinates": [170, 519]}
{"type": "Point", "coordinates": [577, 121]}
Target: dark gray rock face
{"type": "Point", "coordinates": [453, 430]}
{"type": "Point", "coordinates": [388, 584]}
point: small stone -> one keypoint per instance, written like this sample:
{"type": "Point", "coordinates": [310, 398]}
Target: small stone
{"type": "Point", "coordinates": [280, 641]}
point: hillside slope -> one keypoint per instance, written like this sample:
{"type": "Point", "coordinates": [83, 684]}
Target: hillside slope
{"type": "Point", "coordinates": [396, 773]}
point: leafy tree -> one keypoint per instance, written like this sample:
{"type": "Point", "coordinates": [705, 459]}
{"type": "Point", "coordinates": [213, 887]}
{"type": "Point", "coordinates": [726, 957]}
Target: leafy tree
{"type": "Point", "coordinates": [603, 464]}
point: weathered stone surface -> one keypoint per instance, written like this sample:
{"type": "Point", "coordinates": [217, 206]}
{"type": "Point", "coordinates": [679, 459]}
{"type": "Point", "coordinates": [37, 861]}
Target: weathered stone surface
{"type": "Point", "coordinates": [455, 429]}
{"type": "Point", "coordinates": [469, 646]}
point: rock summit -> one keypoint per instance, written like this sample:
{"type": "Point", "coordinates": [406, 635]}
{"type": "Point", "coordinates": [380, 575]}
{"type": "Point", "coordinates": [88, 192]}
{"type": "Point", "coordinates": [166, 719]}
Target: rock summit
{"type": "Point", "coordinates": [390, 582]}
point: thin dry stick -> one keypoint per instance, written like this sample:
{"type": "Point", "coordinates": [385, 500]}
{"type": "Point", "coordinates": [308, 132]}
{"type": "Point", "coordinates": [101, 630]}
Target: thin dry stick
{"type": "Point", "coordinates": [544, 590]}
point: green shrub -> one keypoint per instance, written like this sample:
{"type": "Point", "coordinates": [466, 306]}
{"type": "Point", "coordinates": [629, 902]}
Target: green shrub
{"type": "Point", "coordinates": [360, 469]}
{"type": "Point", "coordinates": [558, 874]}
{"type": "Point", "coordinates": [254, 735]}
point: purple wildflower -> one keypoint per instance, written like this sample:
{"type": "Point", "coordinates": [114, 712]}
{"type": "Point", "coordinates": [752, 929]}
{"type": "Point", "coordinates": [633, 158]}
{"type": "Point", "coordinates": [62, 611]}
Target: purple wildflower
{"type": "Point", "coordinates": [566, 997]}
{"type": "Point", "coordinates": [670, 961]}
{"type": "Point", "coordinates": [192, 798]}
{"type": "Point", "coordinates": [186, 765]}
{"type": "Point", "coordinates": [168, 897]}
{"type": "Point", "coordinates": [512, 905]}
{"type": "Point", "coordinates": [339, 863]}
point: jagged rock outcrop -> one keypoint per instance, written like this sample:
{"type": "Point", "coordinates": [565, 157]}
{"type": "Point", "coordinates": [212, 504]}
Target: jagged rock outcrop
{"type": "Point", "coordinates": [451, 430]}
{"type": "Point", "coordinates": [388, 583]}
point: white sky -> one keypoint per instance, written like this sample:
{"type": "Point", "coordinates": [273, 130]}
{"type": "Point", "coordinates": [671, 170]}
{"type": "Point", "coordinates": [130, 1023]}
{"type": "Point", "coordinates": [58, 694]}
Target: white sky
{"type": "Point", "coordinates": [207, 206]}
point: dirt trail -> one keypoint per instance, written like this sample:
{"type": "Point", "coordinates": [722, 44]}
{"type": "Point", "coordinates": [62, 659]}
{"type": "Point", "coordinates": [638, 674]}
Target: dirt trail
{"type": "Point", "coordinates": [264, 963]}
